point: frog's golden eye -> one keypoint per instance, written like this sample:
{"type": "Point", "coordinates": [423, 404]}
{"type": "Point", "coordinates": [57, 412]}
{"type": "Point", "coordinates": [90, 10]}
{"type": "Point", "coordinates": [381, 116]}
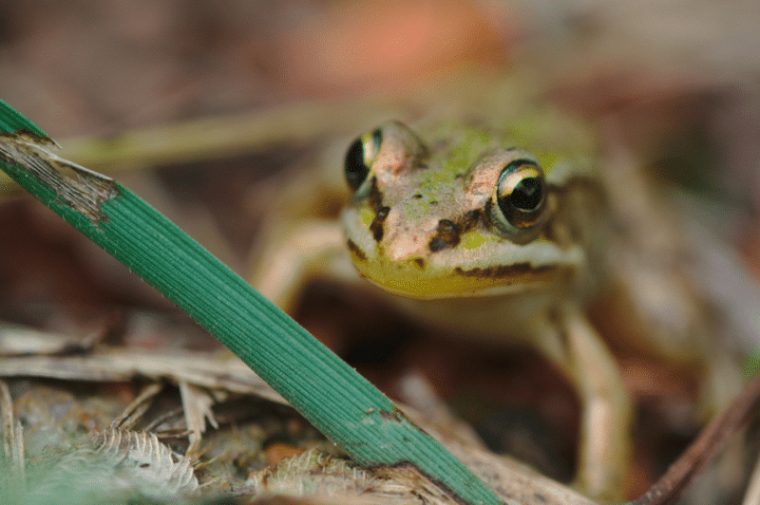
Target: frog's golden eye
{"type": "Point", "coordinates": [520, 197]}
{"type": "Point", "coordinates": [359, 158]}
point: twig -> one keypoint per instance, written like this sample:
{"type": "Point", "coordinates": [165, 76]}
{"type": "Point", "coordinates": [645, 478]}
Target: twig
{"type": "Point", "coordinates": [172, 434]}
{"type": "Point", "coordinates": [173, 413]}
{"type": "Point", "coordinates": [6, 411]}
{"type": "Point", "coordinates": [122, 364]}
{"type": "Point", "coordinates": [220, 137]}
{"type": "Point", "coordinates": [135, 410]}
{"type": "Point", "coordinates": [197, 404]}
{"type": "Point", "coordinates": [752, 497]}
{"type": "Point", "coordinates": [13, 445]}
{"type": "Point", "coordinates": [711, 440]}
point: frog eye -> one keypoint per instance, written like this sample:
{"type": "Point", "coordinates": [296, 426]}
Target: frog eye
{"type": "Point", "coordinates": [360, 156]}
{"type": "Point", "coordinates": [520, 197]}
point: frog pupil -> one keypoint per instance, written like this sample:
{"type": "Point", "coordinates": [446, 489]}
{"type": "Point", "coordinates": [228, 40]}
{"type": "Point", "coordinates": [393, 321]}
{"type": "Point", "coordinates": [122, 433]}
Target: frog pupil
{"type": "Point", "coordinates": [355, 168]}
{"type": "Point", "coordinates": [527, 194]}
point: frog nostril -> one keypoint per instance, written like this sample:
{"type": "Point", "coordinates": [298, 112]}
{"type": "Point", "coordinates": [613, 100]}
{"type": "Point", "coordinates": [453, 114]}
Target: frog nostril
{"type": "Point", "coordinates": [376, 227]}
{"type": "Point", "coordinates": [447, 235]}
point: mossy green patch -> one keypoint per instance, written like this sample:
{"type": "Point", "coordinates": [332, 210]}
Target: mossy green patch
{"type": "Point", "coordinates": [366, 215]}
{"type": "Point", "coordinates": [475, 238]}
{"type": "Point", "coordinates": [752, 364]}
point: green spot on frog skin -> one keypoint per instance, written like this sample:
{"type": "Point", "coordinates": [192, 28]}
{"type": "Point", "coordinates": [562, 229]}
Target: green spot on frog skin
{"type": "Point", "coordinates": [474, 239]}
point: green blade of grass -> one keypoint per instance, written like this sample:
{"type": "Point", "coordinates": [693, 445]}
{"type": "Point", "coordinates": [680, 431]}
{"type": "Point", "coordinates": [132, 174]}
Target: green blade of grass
{"type": "Point", "coordinates": [328, 392]}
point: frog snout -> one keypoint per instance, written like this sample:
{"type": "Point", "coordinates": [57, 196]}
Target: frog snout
{"type": "Point", "coordinates": [405, 243]}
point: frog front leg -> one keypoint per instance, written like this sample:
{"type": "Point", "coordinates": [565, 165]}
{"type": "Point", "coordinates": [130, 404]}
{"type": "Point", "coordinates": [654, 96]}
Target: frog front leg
{"type": "Point", "coordinates": [295, 254]}
{"type": "Point", "coordinates": [578, 350]}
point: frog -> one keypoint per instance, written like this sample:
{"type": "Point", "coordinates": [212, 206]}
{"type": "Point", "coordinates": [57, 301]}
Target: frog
{"type": "Point", "coordinates": [494, 230]}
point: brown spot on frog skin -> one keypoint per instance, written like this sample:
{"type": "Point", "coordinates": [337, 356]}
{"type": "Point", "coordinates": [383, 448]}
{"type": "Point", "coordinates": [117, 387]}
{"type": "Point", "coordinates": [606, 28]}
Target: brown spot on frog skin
{"type": "Point", "coordinates": [355, 250]}
{"type": "Point", "coordinates": [500, 271]}
{"type": "Point", "coordinates": [376, 227]}
{"type": "Point", "coordinates": [375, 195]}
{"type": "Point", "coordinates": [469, 220]}
{"type": "Point", "coordinates": [381, 211]}
{"type": "Point", "coordinates": [449, 231]}
{"type": "Point", "coordinates": [447, 235]}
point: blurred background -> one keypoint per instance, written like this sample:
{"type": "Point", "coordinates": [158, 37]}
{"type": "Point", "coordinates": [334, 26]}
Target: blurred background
{"type": "Point", "coordinates": [683, 75]}
{"type": "Point", "coordinates": [679, 79]}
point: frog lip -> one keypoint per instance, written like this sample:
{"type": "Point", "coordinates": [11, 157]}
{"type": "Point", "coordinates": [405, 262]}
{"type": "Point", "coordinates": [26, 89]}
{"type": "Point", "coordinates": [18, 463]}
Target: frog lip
{"type": "Point", "coordinates": [460, 282]}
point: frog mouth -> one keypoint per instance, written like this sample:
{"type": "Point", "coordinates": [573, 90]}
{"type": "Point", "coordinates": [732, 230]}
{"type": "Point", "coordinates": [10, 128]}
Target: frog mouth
{"type": "Point", "coordinates": [409, 281]}
{"type": "Point", "coordinates": [506, 271]}
{"type": "Point", "coordinates": [495, 268]}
